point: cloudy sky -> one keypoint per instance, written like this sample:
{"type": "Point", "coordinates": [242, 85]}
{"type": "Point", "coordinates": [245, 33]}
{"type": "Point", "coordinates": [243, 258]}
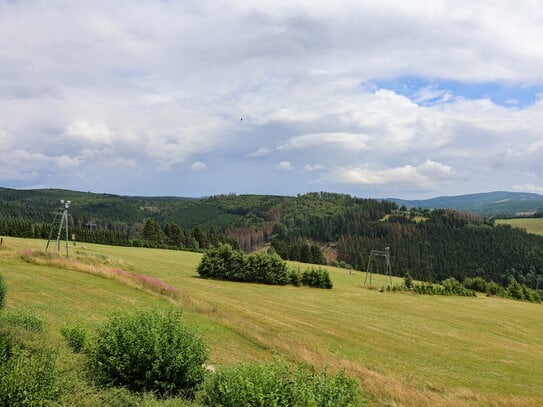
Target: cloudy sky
{"type": "Point", "coordinates": [409, 99]}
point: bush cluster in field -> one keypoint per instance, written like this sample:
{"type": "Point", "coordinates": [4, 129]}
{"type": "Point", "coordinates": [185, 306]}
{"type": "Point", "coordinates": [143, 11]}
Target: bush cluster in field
{"type": "Point", "coordinates": [468, 288]}
{"type": "Point", "coordinates": [276, 385]}
{"type": "Point", "coordinates": [514, 290]}
{"type": "Point", "coordinates": [450, 286]}
{"type": "Point", "coordinates": [224, 263]}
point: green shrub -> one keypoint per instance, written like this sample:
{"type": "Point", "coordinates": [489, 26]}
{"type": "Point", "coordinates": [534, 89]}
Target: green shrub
{"type": "Point", "coordinates": [452, 286]}
{"type": "Point", "coordinates": [75, 335]}
{"type": "Point", "coordinates": [3, 290]}
{"type": "Point", "coordinates": [275, 385]}
{"type": "Point", "coordinates": [514, 290]}
{"type": "Point", "coordinates": [317, 277]}
{"type": "Point", "coordinates": [295, 277]}
{"type": "Point", "coordinates": [29, 379]}
{"type": "Point", "coordinates": [26, 319]}
{"type": "Point", "coordinates": [224, 263]}
{"type": "Point", "coordinates": [530, 295]}
{"type": "Point", "coordinates": [408, 281]}
{"type": "Point", "coordinates": [493, 288]}
{"type": "Point", "coordinates": [149, 350]}
{"type": "Point", "coordinates": [263, 268]}
{"type": "Point", "coordinates": [478, 284]}
{"type": "Point", "coordinates": [424, 288]}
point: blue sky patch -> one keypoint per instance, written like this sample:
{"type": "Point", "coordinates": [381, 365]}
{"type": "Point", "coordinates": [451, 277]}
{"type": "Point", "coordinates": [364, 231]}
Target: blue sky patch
{"type": "Point", "coordinates": [429, 91]}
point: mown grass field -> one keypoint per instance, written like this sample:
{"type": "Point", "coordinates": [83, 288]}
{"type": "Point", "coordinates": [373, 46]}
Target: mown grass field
{"type": "Point", "coordinates": [532, 225]}
{"type": "Point", "coordinates": [406, 349]}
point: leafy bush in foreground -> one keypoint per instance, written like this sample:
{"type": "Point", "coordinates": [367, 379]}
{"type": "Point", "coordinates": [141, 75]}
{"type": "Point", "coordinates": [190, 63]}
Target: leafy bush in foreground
{"type": "Point", "coordinates": [28, 373]}
{"type": "Point", "coordinates": [275, 385]}
{"type": "Point", "coordinates": [28, 379]}
{"type": "Point", "coordinates": [149, 350]}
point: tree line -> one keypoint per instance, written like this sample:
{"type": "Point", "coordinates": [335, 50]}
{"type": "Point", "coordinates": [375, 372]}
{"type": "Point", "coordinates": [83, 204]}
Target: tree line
{"type": "Point", "coordinates": [151, 235]}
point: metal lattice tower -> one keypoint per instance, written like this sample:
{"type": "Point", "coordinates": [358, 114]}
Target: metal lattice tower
{"type": "Point", "coordinates": [382, 253]}
{"type": "Point", "coordinates": [63, 214]}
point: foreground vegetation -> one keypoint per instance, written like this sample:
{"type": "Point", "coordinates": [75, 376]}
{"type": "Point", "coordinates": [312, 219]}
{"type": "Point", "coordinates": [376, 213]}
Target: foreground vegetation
{"type": "Point", "coordinates": [405, 349]}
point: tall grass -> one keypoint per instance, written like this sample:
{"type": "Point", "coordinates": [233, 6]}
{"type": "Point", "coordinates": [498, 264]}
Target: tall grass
{"type": "Point", "coordinates": [83, 265]}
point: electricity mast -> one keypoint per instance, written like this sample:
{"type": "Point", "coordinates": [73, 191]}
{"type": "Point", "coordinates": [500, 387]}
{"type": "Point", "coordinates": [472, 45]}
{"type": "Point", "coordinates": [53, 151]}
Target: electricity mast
{"type": "Point", "coordinates": [382, 253]}
{"type": "Point", "coordinates": [63, 214]}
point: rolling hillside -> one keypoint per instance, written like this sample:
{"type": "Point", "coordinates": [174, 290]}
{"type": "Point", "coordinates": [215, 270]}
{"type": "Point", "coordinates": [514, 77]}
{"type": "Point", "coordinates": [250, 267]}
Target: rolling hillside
{"type": "Point", "coordinates": [405, 349]}
{"type": "Point", "coordinates": [430, 245]}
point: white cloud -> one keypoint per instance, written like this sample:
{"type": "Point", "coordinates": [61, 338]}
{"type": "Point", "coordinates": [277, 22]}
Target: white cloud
{"type": "Point", "coordinates": [66, 162]}
{"type": "Point", "coordinates": [341, 140]}
{"type": "Point", "coordinates": [261, 152]}
{"type": "Point", "coordinates": [314, 167]}
{"type": "Point", "coordinates": [283, 165]}
{"type": "Point", "coordinates": [528, 188]}
{"type": "Point", "coordinates": [198, 166]}
{"type": "Point", "coordinates": [89, 132]}
{"type": "Point", "coordinates": [164, 83]}
{"type": "Point", "coordinates": [535, 147]}
{"type": "Point", "coordinates": [423, 177]}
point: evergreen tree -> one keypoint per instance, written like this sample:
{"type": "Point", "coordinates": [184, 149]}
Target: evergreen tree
{"type": "Point", "coordinates": [152, 232]}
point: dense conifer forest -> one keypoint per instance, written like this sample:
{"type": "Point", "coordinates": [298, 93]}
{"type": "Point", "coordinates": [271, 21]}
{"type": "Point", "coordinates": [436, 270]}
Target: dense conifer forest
{"type": "Point", "coordinates": [430, 245]}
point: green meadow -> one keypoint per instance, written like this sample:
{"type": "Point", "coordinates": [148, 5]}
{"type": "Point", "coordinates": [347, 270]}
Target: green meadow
{"type": "Point", "coordinates": [532, 225]}
{"type": "Point", "coordinates": [406, 349]}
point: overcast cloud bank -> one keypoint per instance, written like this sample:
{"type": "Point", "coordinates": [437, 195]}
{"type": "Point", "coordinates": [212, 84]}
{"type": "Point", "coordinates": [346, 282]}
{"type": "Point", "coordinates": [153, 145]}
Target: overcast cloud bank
{"type": "Point", "coordinates": [407, 99]}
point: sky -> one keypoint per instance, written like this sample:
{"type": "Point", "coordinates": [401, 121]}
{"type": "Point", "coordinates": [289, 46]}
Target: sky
{"type": "Point", "coordinates": [408, 99]}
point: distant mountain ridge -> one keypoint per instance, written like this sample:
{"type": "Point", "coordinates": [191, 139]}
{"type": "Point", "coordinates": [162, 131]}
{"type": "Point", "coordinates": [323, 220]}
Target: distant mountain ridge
{"type": "Point", "coordinates": [224, 211]}
{"type": "Point", "coordinates": [498, 203]}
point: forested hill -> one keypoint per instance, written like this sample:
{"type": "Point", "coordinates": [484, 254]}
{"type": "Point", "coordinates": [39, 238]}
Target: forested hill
{"type": "Point", "coordinates": [500, 203]}
{"type": "Point", "coordinates": [430, 245]}
{"type": "Point", "coordinates": [222, 212]}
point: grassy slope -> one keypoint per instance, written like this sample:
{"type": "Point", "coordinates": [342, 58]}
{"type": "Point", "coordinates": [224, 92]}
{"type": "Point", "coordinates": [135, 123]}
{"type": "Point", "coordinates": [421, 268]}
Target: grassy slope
{"type": "Point", "coordinates": [412, 350]}
{"type": "Point", "coordinates": [532, 225]}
